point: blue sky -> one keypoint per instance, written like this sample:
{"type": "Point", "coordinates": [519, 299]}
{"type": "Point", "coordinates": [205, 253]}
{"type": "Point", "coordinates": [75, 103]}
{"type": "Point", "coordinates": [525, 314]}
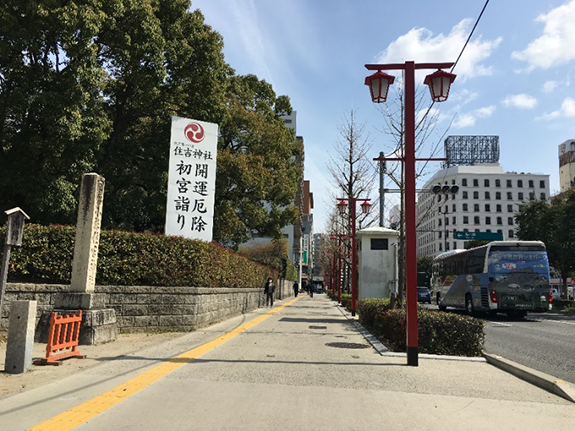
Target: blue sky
{"type": "Point", "coordinates": [515, 78]}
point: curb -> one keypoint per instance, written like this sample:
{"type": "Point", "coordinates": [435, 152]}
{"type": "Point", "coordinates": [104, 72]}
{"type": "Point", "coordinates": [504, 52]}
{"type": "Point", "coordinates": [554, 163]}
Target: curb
{"type": "Point", "coordinates": [384, 351]}
{"type": "Point", "coordinates": [537, 378]}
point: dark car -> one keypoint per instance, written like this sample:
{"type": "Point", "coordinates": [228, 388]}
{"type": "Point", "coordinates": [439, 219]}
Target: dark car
{"type": "Point", "coordinates": [423, 294]}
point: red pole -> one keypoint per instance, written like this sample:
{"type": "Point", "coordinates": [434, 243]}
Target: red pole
{"type": "Point", "coordinates": [339, 269]}
{"type": "Point", "coordinates": [333, 272]}
{"type": "Point", "coordinates": [410, 221]}
{"type": "Point", "coordinates": [353, 259]}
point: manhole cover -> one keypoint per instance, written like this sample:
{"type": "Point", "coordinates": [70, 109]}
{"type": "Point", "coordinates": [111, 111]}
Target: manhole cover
{"type": "Point", "coordinates": [317, 327]}
{"type": "Point", "coordinates": [348, 345]}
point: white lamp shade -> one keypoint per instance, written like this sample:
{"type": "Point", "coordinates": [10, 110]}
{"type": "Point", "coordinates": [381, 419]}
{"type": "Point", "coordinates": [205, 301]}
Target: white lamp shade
{"type": "Point", "coordinates": [379, 84]}
{"type": "Point", "coordinates": [439, 84]}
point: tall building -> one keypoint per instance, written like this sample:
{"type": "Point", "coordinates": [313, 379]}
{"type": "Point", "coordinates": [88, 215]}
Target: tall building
{"type": "Point", "coordinates": [567, 165]}
{"type": "Point", "coordinates": [306, 253]}
{"type": "Point", "coordinates": [486, 201]}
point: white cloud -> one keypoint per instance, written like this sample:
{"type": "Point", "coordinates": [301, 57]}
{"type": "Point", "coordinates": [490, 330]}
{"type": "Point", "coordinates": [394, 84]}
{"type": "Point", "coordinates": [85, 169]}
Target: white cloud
{"type": "Point", "coordinates": [420, 45]}
{"type": "Point", "coordinates": [555, 46]}
{"type": "Point", "coordinates": [567, 109]}
{"type": "Point", "coordinates": [549, 86]}
{"type": "Point", "coordinates": [521, 101]}
{"type": "Point", "coordinates": [486, 111]}
{"type": "Point", "coordinates": [464, 120]}
{"type": "Point", "coordinates": [469, 119]}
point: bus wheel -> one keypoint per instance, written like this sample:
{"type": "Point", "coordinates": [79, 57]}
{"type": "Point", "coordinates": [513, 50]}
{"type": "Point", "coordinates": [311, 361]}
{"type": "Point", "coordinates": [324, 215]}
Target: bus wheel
{"type": "Point", "coordinates": [438, 302]}
{"type": "Point", "coordinates": [469, 304]}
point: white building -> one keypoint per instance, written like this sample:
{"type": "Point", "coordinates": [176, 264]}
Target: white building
{"type": "Point", "coordinates": [567, 165]}
{"type": "Point", "coordinates": [486, 201]}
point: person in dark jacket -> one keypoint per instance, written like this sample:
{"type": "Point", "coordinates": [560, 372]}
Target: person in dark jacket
{"type": "Point", "coordinates": [269, 290]}
{"type": "Point", "coordinates": [295, 288]}
{"type": "Point", "coordinates": [309, 289]}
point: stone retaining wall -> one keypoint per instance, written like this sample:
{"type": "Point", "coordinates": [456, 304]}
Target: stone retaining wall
{"type": "Point", "coordinates": [153, 308]}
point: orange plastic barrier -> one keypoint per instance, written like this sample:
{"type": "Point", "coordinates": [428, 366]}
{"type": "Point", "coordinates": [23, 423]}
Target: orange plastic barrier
{"type": "Point", "coordinates": [62, 339]}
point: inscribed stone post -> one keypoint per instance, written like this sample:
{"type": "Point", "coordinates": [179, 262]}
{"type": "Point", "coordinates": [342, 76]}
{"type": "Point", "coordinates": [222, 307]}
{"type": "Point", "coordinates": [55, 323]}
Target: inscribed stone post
{"type": "Point", "coordinates": [20, 336]}
{"type": "Point", "coordinates": [87, 234]}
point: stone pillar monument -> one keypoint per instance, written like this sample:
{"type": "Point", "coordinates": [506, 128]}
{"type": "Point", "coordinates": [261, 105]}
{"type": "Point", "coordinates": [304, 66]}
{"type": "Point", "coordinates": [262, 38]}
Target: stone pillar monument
{"type": "Point", "coordinates": [98, 323]}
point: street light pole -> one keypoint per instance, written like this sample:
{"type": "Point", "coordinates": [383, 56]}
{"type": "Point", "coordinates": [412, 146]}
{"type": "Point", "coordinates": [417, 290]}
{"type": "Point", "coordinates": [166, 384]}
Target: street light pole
{"type": "Point", "coordinates": [439, 83]}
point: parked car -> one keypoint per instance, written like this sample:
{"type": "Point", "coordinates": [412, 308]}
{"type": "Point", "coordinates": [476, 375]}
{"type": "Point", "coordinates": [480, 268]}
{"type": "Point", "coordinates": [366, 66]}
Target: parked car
{"type": "Point", "coordinates": [423, 294]}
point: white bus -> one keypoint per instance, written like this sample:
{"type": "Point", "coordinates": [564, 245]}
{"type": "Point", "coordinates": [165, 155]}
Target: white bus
{"type": "Point", "coordinates": [509, 277]}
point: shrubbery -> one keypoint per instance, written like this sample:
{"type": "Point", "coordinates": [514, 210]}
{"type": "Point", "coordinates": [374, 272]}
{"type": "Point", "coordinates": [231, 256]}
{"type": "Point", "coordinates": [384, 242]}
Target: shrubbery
{"type": "Point", "coordinates": [127, 258]}
{"type": "Point", "coordinates": [439, 333]}
{"type": "Point", "coordinates": [346, 301]}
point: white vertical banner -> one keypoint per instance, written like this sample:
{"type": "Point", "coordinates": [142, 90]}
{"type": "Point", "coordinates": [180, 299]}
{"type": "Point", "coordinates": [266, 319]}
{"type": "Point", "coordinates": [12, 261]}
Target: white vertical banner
{"type": "Point", "coordinates": [192, 179]}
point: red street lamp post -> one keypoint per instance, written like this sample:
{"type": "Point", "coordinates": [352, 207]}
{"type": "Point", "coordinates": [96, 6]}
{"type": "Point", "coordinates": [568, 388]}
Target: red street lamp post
{"type": "Point", "coordinates": [365, 207]}
{"type": "Point", "coordinates": [439, 84]}
{"type": "Point", "coordinates": [337, 270]}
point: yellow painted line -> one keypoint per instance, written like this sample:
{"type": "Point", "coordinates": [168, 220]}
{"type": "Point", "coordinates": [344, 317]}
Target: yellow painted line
{"type": "Point", "coordinates": [93, 407]}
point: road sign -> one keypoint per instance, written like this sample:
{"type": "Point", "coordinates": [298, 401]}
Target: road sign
{"type": "Point", "coordinates": [490, 236]}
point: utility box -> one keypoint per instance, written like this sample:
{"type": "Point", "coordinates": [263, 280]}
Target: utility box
{"type": "Point", "coordinates": [377, 262]}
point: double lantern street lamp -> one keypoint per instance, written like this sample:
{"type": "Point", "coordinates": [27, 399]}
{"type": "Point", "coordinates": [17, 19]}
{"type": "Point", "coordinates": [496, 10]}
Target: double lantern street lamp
{"type": "Point", "coordinates": [439, 83]}
{"type": "Point", "coordinates": [365, 208]}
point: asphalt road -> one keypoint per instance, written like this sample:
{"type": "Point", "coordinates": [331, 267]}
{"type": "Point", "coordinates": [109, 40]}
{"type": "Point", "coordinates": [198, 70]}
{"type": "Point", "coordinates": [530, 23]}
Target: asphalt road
{"type": "Point", "coordinates": [544, 342]}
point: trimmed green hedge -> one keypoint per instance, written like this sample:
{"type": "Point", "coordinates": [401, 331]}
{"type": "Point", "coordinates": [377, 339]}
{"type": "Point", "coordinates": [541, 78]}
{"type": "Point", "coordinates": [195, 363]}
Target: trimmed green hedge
{"type": "Point", "coordinates": [439, 333]}
{"type": "Point", "coordinates": [132, 259]}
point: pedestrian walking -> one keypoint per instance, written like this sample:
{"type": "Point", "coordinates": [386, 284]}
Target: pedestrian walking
{"type": "Point", "coordinates": [309, 288]}
{"type": "Point", "coordinates": [295, 288]}
{"type": "Point", "coordinates": [269, 290]}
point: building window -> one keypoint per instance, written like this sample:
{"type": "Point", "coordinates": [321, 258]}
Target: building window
{"type": "Point", "coordinates": [454, 208]}
{"type": "Point", "coordinates": [543, 197]}
{"type": "Point", "coordinates": [464, 182]}
{"type": "Point", "coordinates": [465, 220]}
{"type": "Point", "coordinates": [499, 221]}
{"type": "Point", "coordinates": [531, 196]}
{"type": "Point", "coordinates": [519, 183]}
{"type": "Point", "coordinates": [464, 195]}
{"type": "Point", "coordinates": [542, 184]}
{"type": "Point", "coordinates": [498, 183]}
{"type": "Point", "coordinates": [454, 220]}
{"type": "Point", "coordinates": [476, 220]}
{"type": "Point", "coordinates": [440, 246]}
{"type": "Point", "coordinates": [487, 196]}
{"type": "Point", "coordinates": [487, 208]}
{"type": "Point", "coordinates": [511, 234]}
{"type": "Point", "coordinates": [464, 207]}
{"type": "Point", "coordinates": [487, 220]}
{"type": "Point", "coordinates": [498, 196]}
{"type": "Point", "coordinates": [476, 183]}
{"type": "Point", "coordinates": [509, 208]}
{"type": "Point", "coordinates": [438, 198]}
{"type": "Point", "coordinates": [498, 208]}
{"type": "Point", "coordinates": [439, 222]}
{"type": "Point", "coordinates": [531, 185]}
{"type": "Point", "coordinates": [475, 195]}
{"type": "Point", "coordinates": [379, 243]}
{"type": "Point", "coordinates": [486, 182]}
{"type": "Point", "coordinates": [510, 221]}
{"type": "Point", "coordinates": [509, 196]}
{"type": "Point", "coordinates": [476, 208]}
{"type": "Point", "coordinates": [520, 196]}
{"type": "Point", "coordinates": [509, 185]}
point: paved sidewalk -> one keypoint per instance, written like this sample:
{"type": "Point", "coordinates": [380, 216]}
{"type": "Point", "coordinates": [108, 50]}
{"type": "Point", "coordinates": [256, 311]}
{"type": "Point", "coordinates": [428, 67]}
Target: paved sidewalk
{"type": "Point", "coordinates": [304, 367]}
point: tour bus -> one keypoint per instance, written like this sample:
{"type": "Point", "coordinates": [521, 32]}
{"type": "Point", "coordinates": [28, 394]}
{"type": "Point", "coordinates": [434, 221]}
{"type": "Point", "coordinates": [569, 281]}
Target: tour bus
{"type": "Point", "coordinates": [509, 277]}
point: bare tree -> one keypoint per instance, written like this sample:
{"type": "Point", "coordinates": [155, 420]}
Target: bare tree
{"type": "Point", "coordinates": [354, 174]}
{"type": "Point", "coordinates": [425, 147]}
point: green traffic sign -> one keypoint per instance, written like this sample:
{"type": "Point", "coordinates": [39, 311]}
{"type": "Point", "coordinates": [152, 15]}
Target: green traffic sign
{"type": "Point", "coordinates": [488, 236]}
